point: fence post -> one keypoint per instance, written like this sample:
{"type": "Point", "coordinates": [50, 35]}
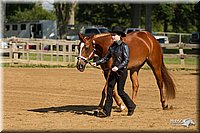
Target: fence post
{"type": "Point", "coordinates": [27, 54]}
{"type": "Point", "coordinates": [51, 50]}
{"type": "Point", "coordinates": [23, 49]}
{"type": "Point", "coordinates": [179, 38]}
{"type": "Point", "coordinates": [38, 54]}
{"type": "Point", "coordinates": [15, 51]}
{"type": "Point", "coordinates": [64, 53]}
{"type": "Point", "coordinates": [42, 50]}
{"type": "Point", "coordinates": [76, 50]}
{"type": "Point", "coordinates": [70, 56]}
{"type": "Point", "coordinates": [182, 55]}
{"type": "Point", "coordinates": [57, 53]}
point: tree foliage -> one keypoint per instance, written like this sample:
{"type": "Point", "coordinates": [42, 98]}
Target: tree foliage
{"type": "Point", "coordinates": [171, 17]}
{"type": "Point", "coordinates": [197, 15]}
{"type": "Point", "coordinates": [165, 17]}
{"type": "Point", "coordinates": [25, 14]}
{"type": "Point", "coordinates": [163, 13]}
{"type": "Point", "coordinates": [184, 19]}
{"type": "Point", "coordinates": [12, 8]}
{"type": "Point", "coordinates": [103, 14]}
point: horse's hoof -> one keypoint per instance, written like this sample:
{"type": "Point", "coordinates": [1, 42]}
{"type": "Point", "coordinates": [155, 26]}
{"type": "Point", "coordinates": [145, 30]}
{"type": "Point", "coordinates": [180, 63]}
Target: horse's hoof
{"type": "Point", "coordinates": [122, 107]}
{"type": "Point", "coordinates": [165, 107]}
{"type": "Point", "coordinates": [99, 108]}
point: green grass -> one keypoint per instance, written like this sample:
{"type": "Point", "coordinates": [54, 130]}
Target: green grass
{"type": "Point", "coordinates": [37, 66]}
{"type": "Point", "coordinates": [46, 57]}
{"type": "Point", "coordinates": [188, 61]}
{"type": "Point", "coordinates": [176, 51]}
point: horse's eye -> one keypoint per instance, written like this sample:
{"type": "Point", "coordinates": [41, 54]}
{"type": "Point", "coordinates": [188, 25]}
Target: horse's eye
{"type": "Point", "coordinates": [87, 48]}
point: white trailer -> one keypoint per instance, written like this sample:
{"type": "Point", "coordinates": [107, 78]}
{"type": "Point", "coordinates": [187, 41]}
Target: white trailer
{"type": "Point", "coordinates": [32, 29]}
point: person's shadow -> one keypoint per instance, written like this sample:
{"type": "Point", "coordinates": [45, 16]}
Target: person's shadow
{"type": "Point", "coordinates": [77, 109]}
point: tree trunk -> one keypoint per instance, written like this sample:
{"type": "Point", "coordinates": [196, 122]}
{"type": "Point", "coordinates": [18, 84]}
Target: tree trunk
{"type": "Point", "coordinates": [135, 15]}
{"type": "Point", "coordinates": [165, 25]}
{"type": "Point", "coordinates": [65, 16]}
{"type": "Point", "coordinates": [72, 14]}
{"type": "Point", "coordinates": [148, 17]}
{"type": "Point", "coordinates": [2, 14]}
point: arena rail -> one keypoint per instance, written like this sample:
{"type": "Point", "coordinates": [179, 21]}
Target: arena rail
{"type": "Point", "coordinates": [59, 52]}
{"type": "Point", "coordinates": [40, 51]}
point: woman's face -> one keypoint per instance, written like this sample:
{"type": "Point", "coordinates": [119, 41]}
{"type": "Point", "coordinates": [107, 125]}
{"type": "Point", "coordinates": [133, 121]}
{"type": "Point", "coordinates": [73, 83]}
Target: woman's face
{"type": "Point", "coordinates": [116, 37]}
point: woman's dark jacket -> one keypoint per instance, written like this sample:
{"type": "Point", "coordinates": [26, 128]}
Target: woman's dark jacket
{"type": "Point", "coordinates": [119, 52]}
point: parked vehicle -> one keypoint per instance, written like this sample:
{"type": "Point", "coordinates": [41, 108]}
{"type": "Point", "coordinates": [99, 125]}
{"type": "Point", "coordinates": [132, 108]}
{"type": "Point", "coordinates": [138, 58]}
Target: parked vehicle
{"type": "Point", "coordinates": [88, 31]}
{"type": "Point", "coordinates": [195, 38]}
{"type": "Point", "coordinates": [128, 30]}
{"type": "Point", "coordinates": [162, 39]}
{"type": "Point", "coordinates": [3, 45]}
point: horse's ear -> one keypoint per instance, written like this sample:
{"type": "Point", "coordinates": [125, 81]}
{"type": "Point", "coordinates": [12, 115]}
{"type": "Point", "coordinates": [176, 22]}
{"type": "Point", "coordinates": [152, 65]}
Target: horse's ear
{"type": "Point", "coordinates": [92, 36]}
{"type": "Point", "coordinates": [81, 36]}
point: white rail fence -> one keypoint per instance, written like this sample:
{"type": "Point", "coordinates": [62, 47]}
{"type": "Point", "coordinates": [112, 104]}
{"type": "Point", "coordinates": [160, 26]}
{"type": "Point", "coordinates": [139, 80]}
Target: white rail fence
{"type": "Point", "coordinates": [59, 52]}
{"type": "Point", "coordinates": [176, 37]}
{"type": "Point", "coordinates": [40, 51]}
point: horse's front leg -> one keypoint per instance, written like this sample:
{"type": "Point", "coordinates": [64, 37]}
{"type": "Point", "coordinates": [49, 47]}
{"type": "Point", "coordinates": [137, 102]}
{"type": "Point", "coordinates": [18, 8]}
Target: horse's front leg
{"type": "Point", "coordinates": [117, 100]}
{"type": "Point", "coordinates": [135, 84]}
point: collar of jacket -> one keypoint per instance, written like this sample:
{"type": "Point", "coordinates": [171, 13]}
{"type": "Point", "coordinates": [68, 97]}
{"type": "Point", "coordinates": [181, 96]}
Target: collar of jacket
{"type": "Point", "coordinates": [119, 42]}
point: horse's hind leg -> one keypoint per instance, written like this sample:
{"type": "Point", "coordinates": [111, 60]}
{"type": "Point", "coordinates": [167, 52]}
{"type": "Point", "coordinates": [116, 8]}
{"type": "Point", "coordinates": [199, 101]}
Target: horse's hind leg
{"type": "Point", "coordinates": [158, 74]}
{"type": "Point", "coordinates": [159, 79]}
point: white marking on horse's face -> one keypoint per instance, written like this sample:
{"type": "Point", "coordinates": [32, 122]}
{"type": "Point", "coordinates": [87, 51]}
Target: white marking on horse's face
{"type": "Point", "coordinates": [81, 47]}
{"type": "Point", "coordinates": [93, 41]}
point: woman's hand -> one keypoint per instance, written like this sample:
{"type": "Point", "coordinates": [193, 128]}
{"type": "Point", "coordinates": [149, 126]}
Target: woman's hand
{"type": "Point", "coordinates": [94, 64]}
{"type": "Point", "coordinates": [114, 68]}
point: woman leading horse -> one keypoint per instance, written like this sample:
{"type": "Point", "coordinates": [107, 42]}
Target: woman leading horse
{"type": "Point", "coordinates": [144, 48]}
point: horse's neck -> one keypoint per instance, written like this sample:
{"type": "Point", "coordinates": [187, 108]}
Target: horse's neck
{"type": "Point", "coordinates": [102, 44]}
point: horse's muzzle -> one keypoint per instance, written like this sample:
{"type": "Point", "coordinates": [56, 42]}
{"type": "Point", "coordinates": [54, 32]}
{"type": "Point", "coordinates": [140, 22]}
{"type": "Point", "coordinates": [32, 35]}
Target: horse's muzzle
{"type": "Point", "coordinates": [81, 65]}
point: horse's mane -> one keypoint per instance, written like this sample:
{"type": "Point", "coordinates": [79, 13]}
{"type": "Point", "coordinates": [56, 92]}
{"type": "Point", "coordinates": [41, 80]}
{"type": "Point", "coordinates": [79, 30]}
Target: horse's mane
{"type": "Point", "coordinates": [101, 35]}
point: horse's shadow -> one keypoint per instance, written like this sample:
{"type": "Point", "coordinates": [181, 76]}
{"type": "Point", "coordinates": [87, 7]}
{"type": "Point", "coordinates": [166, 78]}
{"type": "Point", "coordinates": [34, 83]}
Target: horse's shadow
{"type": "Point", "coordinates": [77, 109]}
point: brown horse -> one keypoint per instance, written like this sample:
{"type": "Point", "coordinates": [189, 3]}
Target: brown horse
{"type": "Point", "coordinates": [144, 48]}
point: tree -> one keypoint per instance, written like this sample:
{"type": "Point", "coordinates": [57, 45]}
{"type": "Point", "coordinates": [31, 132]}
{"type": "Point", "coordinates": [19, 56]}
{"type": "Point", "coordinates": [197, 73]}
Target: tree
{"type": "Point", "coordinates": [104, 14]}
{"type": "Point", "coordinates": [135, 15]}
{"type": "Point", "coordinates": [26, 14]}
{"type": "Point", "coordinates": [184, 19]}
{"type": "Point", "coordinates": [64, 12]}
{"type": "Point", "coordinates": [12, 8]}
{"type": "Point", "coordinates": [164, 13]}
{"type": "Point", "coordinates": [148, 17]}
{"type": "Point", "coordinates": [197, 15]}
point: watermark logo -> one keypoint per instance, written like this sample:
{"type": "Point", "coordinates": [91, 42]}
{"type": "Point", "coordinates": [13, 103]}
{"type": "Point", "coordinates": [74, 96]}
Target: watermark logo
{"type": "Point", "coordinates": [184, 122]}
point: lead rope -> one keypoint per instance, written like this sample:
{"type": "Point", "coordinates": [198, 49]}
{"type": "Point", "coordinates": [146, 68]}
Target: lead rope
{"type": "Point", "coordinates": [94, 66]}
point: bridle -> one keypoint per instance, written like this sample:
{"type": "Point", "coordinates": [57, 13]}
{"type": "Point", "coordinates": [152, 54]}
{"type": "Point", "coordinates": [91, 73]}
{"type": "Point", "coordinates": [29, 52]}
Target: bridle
{"type": "Point", "coordinates": [91, 54]}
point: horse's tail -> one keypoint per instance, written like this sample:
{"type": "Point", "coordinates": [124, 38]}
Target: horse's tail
{"type": "Point", "coordinates": [168, 82]}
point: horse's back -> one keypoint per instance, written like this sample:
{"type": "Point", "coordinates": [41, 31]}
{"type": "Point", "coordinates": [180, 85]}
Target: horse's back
{"type": "Point", "coordinates": [145, 39]}
{"type": "Point", "coordinates": [142, 45]}
{"type": "Point", "coordinates": [139, 50]}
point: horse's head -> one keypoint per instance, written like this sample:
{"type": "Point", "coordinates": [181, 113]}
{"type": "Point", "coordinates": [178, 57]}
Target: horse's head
{"type": "Point", "coordinates": [85, 51]}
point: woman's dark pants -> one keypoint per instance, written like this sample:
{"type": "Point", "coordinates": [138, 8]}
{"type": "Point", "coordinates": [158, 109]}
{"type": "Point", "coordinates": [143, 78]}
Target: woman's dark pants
{"type": "Point", "coordinates": [118, 77]}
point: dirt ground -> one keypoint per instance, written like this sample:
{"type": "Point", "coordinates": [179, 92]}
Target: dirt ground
{"type": "Point", "coordinates": [64, 99]}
